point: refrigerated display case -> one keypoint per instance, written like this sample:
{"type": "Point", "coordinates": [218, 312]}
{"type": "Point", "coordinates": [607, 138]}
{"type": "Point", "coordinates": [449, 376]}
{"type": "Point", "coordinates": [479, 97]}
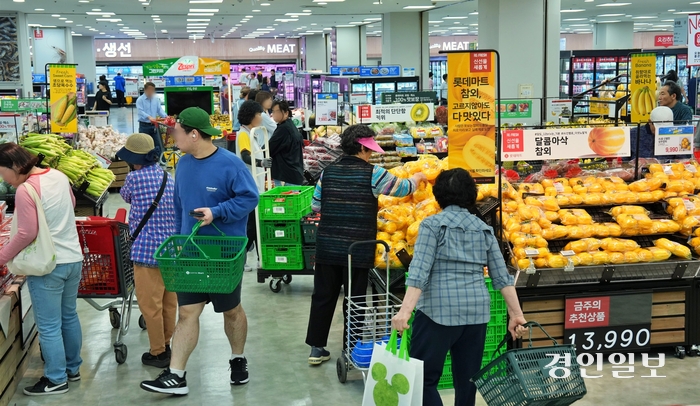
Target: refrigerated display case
{"type": "Point", "coordinates": [565, 74]}
{"type": "Point", "coordinates": [674, 59]}
{"type": "Point", "coordinates": [438, 65]}
{"type": "Point", "coordinates": [284, 72]}
{"type": "Point", "coordinates": [582, 71]}
{"type": "Point", "coordinates": [306, 86]}
{"type": "Point", "coordinates": [372, 87]}
{"type": "Point", "coordinates": [605, 68]}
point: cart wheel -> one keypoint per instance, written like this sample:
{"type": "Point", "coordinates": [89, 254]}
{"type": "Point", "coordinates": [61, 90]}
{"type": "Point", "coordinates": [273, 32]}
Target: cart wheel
{"type": "Point", "coordinates": [142, 322]}
{"type": "Point", "coordinates": [115, 318]}
{"type": "Point", "coordinates": [694, 351]}
{"type": "Point", "coordinates": [680, 352]}
{"type": "Point", "coordinates": [275, 285]}
{"type": "Point", "coordinates": [120, 354]}
{"type": "Point", "coordinates": [287, 279]}
{"type": "Point", "coordinates": [341, 366]}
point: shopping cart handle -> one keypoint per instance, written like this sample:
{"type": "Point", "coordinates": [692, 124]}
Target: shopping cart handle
{"type": "Point", "coordinates": [370, 242]}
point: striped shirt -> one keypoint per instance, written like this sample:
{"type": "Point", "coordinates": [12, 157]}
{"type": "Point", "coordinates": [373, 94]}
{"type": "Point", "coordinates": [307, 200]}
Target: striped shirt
{"type": "Point", "coordinates": [383, 183]}
{"type": "Point", "coordinates": [448, 266]}
{"type": "Point", "coordinates": [140, 189]}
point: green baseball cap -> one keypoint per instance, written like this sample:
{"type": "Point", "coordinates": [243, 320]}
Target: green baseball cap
{"type": "Point", "coordinates": [197, 118]}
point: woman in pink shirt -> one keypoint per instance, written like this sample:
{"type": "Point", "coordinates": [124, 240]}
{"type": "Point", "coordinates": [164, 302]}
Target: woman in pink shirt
{"type": "Point", "coordinates": [54, 295]}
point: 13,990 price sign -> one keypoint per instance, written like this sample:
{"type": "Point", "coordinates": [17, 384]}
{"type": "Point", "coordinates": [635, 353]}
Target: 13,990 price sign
{"type": "Point", "coordinates": [610, 339]}
{"type": "Point", "coordinates": [608, 323]}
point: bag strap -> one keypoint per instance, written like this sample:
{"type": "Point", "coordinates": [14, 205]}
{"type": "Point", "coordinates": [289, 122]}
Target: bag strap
{"type": "Point", "coordinates": [401, 350]}
{"type": "Point", "coordinates": [151, 209]}
{"type": "Point", "coordinates": [527, 325]}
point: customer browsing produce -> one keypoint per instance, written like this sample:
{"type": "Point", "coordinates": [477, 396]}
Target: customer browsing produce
{"type": "Point", "coordinates": [347, 198]}
{"type": "Point", "coordinates": [149, 109]}
{"type": "Point", "coordinates": [286, 148]}
{"type": "Point", "coordinates": [446, 287]}
{"type": "Point", "coordinates": [215, 183]}
{"type": "Point", "coordinates": [54, 295]}
{"type": "Point", "coordinates": [150, 191]}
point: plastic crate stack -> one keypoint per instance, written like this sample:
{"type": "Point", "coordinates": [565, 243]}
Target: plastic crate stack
{"type": "Point", "coordinates": [281, 210]}
{"type": "Point", "coordinates": [495, 331]}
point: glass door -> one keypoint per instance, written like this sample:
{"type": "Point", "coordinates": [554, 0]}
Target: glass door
{"type": "Point", "coordinates": [683, 72]}
{"type": "Point", "coordinates": [439, 68]}
{"type": "Point", "coordinates": [380, 88]}
{"type": "Point", "coordinates": [363, 88]}
{"type": "Point", "coordinates": [565, 77]}
{"type": "Point", "coordinates": [583, 69]}
{"type": "Point", "coordinates": [659, 65]}
{"type": "Point", "coordinates": [406, 86]}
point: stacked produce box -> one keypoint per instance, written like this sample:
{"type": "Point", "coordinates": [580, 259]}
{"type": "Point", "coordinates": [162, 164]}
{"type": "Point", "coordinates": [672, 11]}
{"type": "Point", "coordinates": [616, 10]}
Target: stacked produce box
{"type": "Point", "coordinates": [495, 331]}
{"type": "Point", "coordinates": [281, 211]}
{"type": "Point", "coordinates": [309, 227]}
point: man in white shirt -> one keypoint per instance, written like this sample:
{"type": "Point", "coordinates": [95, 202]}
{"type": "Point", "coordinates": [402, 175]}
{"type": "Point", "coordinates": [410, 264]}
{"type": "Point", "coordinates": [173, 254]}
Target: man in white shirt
{"type": "Point", "coordinates": [443, 90]}
{"type": "Point", "coordinates": [243, 78]}
{"type": "Point", "coordinates": [253, 82]}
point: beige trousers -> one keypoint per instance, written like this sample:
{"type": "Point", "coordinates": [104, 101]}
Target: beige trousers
{"type": "Point", "coordinates": [158, 306]}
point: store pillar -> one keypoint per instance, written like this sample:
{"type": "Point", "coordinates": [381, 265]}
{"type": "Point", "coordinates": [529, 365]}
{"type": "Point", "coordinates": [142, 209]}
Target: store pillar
{"type": "Point", "coordinates": [352, 46]}
{"type": "Point", "coordinates": [613, 36]}
{"type": "Point", "coordinates": [85, 58]}
{"type": "Point", "coordinates": [405, 42]}
{"type": "Point", "coordinates": [526, 35]}
{"type": "Point", "coordinates": [315, 52]}
{"type": "Point", "coordinates": [25, 59]}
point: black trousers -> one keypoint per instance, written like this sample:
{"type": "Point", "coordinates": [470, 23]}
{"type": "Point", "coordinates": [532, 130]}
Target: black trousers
{"type": "Point", "coordinates": [430, 342]}
{"type": "Point", "coordinates": [251, 231]}
{"type": "Point", "coordinates": [328, 279]}
{"type": "Point", "coordinates": [120, 98]}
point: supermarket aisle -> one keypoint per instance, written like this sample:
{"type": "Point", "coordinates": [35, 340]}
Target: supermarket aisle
{"type": "Point", "coordinates": [124, 120]}
{"type": "Point", "coordinates": [280, 375]}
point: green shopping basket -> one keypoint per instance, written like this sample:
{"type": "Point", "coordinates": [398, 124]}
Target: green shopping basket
{"type": "Point", "coordinates": [202, 264]}
{"type": "Point", "coordinates": [530, 376]}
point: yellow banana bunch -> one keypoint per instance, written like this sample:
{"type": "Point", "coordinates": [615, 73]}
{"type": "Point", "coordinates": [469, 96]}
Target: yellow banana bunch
{"type": "Point", "coordinates": [642, 101]}
{"type": "Point", "coordinates": [65, 109]}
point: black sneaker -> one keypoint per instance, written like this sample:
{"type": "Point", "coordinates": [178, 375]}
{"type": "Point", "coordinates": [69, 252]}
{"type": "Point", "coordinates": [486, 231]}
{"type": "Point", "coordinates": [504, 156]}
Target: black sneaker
{"type": "Point", "coordinates": [45, 387]}
{"type": "Point", "coordinates": [168, 383]}
{"type": "Point", "coordinates": [161, 360]}
{"type": "Point", "coordinates": [73, 377]}
{"type": "Point", "coordinates": [239, 371]}
{"type": "Point", "coordinates": [318, 356]}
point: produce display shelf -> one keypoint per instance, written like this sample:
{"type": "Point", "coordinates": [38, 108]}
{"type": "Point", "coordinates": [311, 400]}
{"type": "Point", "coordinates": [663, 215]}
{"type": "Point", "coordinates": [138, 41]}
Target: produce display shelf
{"type": "Point", "coordinates": [644, 241]}
{"type": "Point", "coordinates": [98, 201]}
{"type": "Point", "coordinates": [609, 273]}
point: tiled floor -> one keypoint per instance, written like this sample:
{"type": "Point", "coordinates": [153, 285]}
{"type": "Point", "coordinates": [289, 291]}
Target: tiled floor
{"type": "Point", "coordinates": [280, 375]}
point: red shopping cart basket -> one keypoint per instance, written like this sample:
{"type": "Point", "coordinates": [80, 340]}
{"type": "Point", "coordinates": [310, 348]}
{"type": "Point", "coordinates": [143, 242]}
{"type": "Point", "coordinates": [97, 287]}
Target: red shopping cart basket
{"type": "Point", "coordinates": [107, 268]}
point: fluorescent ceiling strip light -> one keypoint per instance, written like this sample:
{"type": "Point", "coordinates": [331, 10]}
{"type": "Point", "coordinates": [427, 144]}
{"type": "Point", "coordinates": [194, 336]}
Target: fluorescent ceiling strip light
{"type": "Point", "coordinates": [201, 14]}
{"type": "Point", "coordinates": [644, 18]}
{"type": "Point", "coordinates": [418, 7]}
{"type": "Point", "coordinates": [111, 20]}
{"type": "Point", "coordinates": [206, 1]}
{"type": "Point", "coordinates": [573, 10]}
{"type": "Point", "coordinates": [454, 18]}
{"type": "Point", "coordinates": [328, 1]}
{"type": "Point", "coordinates": [608, 21]}
{"type": "Point", "coordinates": [199, 19]}
{"type": "Point", "coordinates": [204, 10]}
{"type": "Point", "coordinates": [611, 15]}
{"type": "Point", "coordinates": [687, 12]}
{"type": "Point", "coordinates": [99, 13]}
{"type": "Point", "coordinates": [613, 4]}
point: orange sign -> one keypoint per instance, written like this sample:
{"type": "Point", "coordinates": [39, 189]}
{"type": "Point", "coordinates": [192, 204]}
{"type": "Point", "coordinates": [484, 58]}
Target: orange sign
{"type": "Point", "coordinates": [471, 109]}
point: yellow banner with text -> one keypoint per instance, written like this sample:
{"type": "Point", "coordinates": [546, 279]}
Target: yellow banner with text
{"type": "Point", "coordinates": [64, 103]}
{"type": "Point", "coordinates": [642, 86]}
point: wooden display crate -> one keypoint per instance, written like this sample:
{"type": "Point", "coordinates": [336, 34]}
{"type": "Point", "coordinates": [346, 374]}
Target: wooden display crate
{"type": "Point", "coordinates": [14, 358]}
{"type": "Point", "coordinates": [668, 318]}
{"type": "Point", "coordinates": [120, 170]}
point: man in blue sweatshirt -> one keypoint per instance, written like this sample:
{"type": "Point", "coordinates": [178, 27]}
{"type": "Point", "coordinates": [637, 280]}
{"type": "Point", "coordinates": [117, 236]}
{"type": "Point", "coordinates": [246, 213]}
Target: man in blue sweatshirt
{"type": "Point", "coordinates": [216, 183]}
{"type": "Point", "coordinates": [120, 88]}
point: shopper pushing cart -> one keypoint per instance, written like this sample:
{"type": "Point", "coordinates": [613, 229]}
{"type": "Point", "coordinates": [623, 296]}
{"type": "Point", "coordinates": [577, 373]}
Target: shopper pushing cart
{"type": "Point", "coordinates": [215, 187]}
{"type": "Point", "coordinates": [346, 196]}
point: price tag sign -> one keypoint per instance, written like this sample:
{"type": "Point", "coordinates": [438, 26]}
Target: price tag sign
{"type": "Point", "coordinates": [281, 260]}
{"type": "Point", "coordinates": [676, 140]}
{"type": "Point", "coordinates": [604, 324]}
{"type": "Point", "coordinates": [279, 233]}
{"type": "Point", "coordinates": [278, 210]}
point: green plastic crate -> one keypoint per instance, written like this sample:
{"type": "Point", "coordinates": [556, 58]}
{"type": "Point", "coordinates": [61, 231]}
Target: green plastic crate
{"type": "Point", "coordinates": [276, 204]}
{"type": "Point", "coordinates": [309, 258]}
{"type": "Point", "coordinates": [282, 257]}
{"type": "Point", "coordinates": [445, 381]}
{"type": "Point", "coordinates": [280, 232]}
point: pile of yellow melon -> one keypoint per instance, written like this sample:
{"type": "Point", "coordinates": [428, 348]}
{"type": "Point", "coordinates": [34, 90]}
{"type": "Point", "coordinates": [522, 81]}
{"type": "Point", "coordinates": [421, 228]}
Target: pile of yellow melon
{"type": "Point", "coordinates": [398, 219]}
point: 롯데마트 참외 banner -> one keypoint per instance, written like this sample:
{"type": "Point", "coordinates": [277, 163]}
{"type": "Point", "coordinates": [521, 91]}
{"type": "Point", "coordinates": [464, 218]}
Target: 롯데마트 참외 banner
{"type": "Point", "coordinates": [327, 109]}
{"type": "Point", "coordinates": [518, 145]}
{"type": "Point", "coordinates": [471, 113]}
{"type": "Point", "coordinates": [64, 103]}
{"type": "Point", "coordinates": [676, 140]}
{"type": "Point", "coordinates": [642, 86]}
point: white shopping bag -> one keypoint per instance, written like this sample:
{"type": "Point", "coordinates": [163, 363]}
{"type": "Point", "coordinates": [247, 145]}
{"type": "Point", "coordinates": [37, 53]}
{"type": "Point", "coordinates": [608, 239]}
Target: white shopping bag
{"type": "Point", "coordinates": [393, 379]}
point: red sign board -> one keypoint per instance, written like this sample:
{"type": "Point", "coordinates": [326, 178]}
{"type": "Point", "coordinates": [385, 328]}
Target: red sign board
{"type": "Point", "coordinates": [607, 59]}
{"type": "Point", "coordinates": [585, 312]}
{"type": "Point", "coordinates": [663, 40]}
{"type": "Point", "coordinates": [513, 141]}
{"type": "Point", "coordinates": [624, 59]}
{"type": "Point", "coordinates": [364, 111]}
{"type": "Point", "coordinates": [480, 62]}
{"type": "Point", "coordinates": [583, 60]}
{"type": "Point", "coordinates": [38, 33]}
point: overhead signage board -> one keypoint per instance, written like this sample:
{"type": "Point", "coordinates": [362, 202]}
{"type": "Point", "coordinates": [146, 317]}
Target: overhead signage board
{"type": "Point", "coordinates": [680, 31]}
{"type": "Point", "coordinates": [409, 97]}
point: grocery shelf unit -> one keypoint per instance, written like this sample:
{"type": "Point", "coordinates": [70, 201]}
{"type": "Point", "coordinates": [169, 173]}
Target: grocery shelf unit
{"type": "Point", "coordinates": [674, 285]}
{"type": "Point", "coordinates": [283, 252]}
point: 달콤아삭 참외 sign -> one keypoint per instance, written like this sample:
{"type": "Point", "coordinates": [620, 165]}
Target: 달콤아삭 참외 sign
{"type": "Point", "coordinates": [569, 143]}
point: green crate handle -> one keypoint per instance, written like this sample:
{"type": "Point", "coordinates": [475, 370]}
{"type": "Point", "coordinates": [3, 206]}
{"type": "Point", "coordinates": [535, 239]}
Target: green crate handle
{"type": "Point", "coordinates": [392, 345]}
{"type": "Point", "coordinates": [195, 229]}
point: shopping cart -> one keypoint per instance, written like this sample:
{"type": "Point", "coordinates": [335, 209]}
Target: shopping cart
{"type": "Point", "coordinates": [108, 272]}
{"type": "Point", "coordinates": [368, 320]}
{"type": "Point", "coordinates": [171, 153]}
{"type": "Point", "coordinates": [542, 376]}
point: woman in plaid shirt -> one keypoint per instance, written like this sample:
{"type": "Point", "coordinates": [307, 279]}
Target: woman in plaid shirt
{"type": "Point", "coordinates": [158, 306]}
{"type": "Point", "coordinates": [447, 289]}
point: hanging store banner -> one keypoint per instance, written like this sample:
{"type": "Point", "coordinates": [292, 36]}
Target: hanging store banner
{"type": "Point", "coordinates": [400, 113]}
{"type": "Point", "coordinates": [694, 40]}
{"type": "Point", "coordinates": [64, 103]}
{"type": "Point", "coordinates": [673, 140]}
{"type": "Point", "coordinates": [186, 66]}
{"type": "Point", "coordinates": [49, 46]}
{"type": "Point", "coordinates": [22, 105]}
{"type": "Point", "coordinates": [680, 31]}
{"type": "Point", "coordinates": [327, 109]}
{"type": "Point", "coordinates": [570, 143]}
{"type": "Point", "coordinates": [471, 112]}
{"type": "Point", "coordinates": [642, 86]}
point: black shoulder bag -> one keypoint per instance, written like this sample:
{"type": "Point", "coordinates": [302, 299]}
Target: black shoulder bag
{"type": "Point", "coordinates": [151, 209]}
